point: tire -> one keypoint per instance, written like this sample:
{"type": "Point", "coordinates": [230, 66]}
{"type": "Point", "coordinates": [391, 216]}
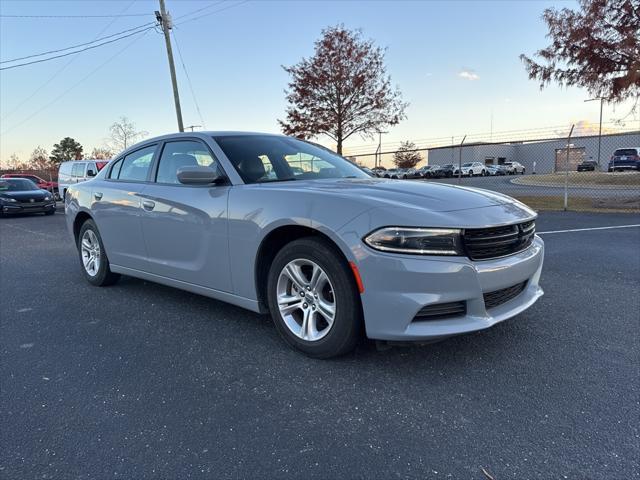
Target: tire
{"type": "Point", "coordinates": [470, 173]}
{"type": "Point", "coordinates": [303, 256]}
{"type": "Point", "coordinates": [522, 173]}
{"type": "Point", "coordinates": [50, 212]}
{"type": "Point", "coordinates": [483, 173]}
{"type": "Point", "coordinates": [103, 275]}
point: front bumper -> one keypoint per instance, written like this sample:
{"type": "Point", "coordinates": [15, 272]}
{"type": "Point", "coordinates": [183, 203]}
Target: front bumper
{"type": "Point", "coordinates": [8, 208]}
{"type": "Point", "coordinates": [397, 287]}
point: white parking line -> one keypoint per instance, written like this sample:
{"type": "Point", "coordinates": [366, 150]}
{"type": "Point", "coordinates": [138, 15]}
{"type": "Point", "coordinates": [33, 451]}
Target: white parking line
{"type": "Point", "coordinates": [588, 229]}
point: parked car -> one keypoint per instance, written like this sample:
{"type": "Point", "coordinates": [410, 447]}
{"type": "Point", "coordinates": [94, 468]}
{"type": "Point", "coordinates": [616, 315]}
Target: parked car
{"type": "Point", "coordinates": [368, 171]}
{"type": "Point", "coordinates": [435, 171]}
{"type": "Point", "coordinates": [331, 253]}
{"type": "Point", "coordinates": [393, 173]}
{"type": "Point", "coordinates": [496, 170]}
{"type": "Point", "coordinates": [473, 168]}
{"type": "Point", "coordinates": [424, 172]}
{"type": "Point", "coordinates": [21, 195]}
{"type": "Point", "coordinates": [514, 168]}
{"type": "Point", "coordinates": [625, 159]}
{"type": "Point", "coordinates": [77, 171]}
{"type": "Point", "coordinates": [411, 173]}
{"type": "Point", "coordinates": [379, 171]}
{"type": "Point", "coordinates": [40, 182]}
{"type": "Point", "coordinates": [587, 166]}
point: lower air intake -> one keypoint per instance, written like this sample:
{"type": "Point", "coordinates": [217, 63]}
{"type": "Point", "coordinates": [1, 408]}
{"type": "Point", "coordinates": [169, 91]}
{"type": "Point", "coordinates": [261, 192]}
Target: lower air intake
{"type": "Point", "coordinates": [439, 311]}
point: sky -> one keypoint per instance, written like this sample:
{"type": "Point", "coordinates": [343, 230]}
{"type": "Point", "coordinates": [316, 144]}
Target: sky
{"type": "Point", "coordinates": [455, 62]}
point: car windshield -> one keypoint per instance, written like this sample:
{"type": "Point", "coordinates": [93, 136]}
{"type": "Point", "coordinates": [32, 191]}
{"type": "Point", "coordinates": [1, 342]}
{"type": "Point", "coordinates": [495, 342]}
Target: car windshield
{"type": "Point", "coordinates": [270, 158]}
{"type": "Point", "coordinates": [467, 164]}
{"type": "Point", "coordinates": [16, 185]}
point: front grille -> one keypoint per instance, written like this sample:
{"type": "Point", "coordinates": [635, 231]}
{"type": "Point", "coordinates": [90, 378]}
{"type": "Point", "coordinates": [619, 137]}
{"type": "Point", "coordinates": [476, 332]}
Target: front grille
{"type": "Point", "coordinates": [498, 297]}
{"type": "Point", "coordinates": [439, 311]}
{"type": "Point", "coordinates": [486, 243]}
{"type": "Point", "coordinates": [32, 204]}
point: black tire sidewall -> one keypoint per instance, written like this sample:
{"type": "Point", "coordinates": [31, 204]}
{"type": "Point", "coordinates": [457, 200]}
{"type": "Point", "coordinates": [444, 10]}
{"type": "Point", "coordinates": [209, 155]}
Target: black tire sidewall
{"type": "Point", "coordinates": [347, 326]}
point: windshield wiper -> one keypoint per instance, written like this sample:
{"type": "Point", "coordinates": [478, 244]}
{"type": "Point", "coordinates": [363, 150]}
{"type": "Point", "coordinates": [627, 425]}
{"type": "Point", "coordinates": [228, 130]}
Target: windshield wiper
{"type": "Point", "coordinates": [277, 180]}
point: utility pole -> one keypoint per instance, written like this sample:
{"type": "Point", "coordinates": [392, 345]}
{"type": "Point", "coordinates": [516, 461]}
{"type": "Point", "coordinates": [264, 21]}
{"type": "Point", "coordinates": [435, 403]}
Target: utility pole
{"type": "Point", "coordinates": [600, 130]}
{"type": "Point", "coordinates": [165, 23]}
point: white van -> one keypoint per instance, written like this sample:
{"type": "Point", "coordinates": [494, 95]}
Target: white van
{"type": "Point", "coordinates": [77, 171]}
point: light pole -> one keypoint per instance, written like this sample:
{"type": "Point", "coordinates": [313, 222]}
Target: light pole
{"type": "Point", "coordinates": [600, 130]}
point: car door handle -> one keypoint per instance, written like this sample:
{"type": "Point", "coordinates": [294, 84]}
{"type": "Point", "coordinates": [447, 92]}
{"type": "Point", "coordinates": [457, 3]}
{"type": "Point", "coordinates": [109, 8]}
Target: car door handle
{"type": "Point", "coordinates": [148, 205]}
{"type": "Point", "coordinates": [97, 195]}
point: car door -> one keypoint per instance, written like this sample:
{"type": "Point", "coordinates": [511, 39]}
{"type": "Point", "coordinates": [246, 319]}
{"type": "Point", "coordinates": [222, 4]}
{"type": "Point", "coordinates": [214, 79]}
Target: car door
{"type": "Point", "coordinates": [117, 207]}
{"type": "Point", "coordinates": [185, 226]}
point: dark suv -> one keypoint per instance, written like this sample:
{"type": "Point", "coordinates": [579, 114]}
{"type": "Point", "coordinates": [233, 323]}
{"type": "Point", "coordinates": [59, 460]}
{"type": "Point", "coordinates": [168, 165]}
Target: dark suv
{"type": "Point", "coordinates": [625, 159]}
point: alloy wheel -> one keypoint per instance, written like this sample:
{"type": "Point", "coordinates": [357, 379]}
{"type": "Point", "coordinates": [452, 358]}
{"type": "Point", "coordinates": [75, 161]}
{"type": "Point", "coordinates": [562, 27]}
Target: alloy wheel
{"type": "Point", "coordinates": [90, 249]}
{"type": "Point", "coordinates": [306, 299]}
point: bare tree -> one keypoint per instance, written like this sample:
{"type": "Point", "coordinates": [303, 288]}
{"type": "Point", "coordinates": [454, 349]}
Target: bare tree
{"type": "Point", "coordinates": [39, 159]}
{"type": "Point", "coordinates": [342, 90]}
{"type": "Point", "coordinates": [406, 156]}
{"type": "Point", "coordinates": [597, 47]}
{"type": "Point", "coordinates": [124, 134]}
{"type": "Point", "coordinates": [101, 153]}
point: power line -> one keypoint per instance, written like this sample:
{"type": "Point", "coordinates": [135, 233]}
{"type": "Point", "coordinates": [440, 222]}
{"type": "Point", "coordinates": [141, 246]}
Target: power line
{"type": "Point", "coordinates": [78, 45]}
{"type": "Point", "coordinates": [77, 51]}
{"type": "Point", "coordinates": [199, 10]}
{"type": "Point", "coordinates": [65, 66]}
{"type": "Point", "coordinates": [82, 80]}
{"type": "Point", "coordinates": [186, 73]}
{"type": "Point", "coordinates": [79, 16]}
{"type": "Point", "coordinates": [211, 13]}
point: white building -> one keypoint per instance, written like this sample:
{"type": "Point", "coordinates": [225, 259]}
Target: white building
{"type": "Point", "coordinates": [549, 155]}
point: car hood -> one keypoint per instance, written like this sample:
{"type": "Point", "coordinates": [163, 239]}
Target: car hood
{"type": "Point", "coordinates": [25, 195]}
{"type": "Point", "coordinates": [375, 193]}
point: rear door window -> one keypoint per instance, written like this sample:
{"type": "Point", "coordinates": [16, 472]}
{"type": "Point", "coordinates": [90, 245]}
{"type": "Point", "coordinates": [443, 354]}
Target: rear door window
{"type": "Point", "coordinates": [135, 166]}
{"type": "Point", "coordinates": [625, 152]}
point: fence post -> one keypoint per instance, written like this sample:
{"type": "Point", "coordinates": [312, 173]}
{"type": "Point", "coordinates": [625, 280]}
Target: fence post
{"type": "Point", "coordinates": [566, 171]}
{"type": "Point", "coordinates": [460, 161]}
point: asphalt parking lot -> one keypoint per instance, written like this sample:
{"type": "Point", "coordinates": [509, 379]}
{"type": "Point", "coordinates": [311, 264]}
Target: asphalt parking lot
{"type": "Point", "coordinates": [144, 381]}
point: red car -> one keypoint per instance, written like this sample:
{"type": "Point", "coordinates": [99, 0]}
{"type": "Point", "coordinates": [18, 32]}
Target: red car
{"type": "Point", "coordinates": [40, 182]}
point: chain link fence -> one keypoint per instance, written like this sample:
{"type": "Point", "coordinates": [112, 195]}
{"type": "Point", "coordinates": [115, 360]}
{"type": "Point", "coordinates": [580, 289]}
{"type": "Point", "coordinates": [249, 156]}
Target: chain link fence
{"type": "Point", "coordinates": [595, 173]}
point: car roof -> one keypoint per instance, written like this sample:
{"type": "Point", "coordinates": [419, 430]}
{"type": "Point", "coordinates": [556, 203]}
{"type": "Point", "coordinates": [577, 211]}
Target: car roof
{"type": "Point", "coordinates": [199, 134]}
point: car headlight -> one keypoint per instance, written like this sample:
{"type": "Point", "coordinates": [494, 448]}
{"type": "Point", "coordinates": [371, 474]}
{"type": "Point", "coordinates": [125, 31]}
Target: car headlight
{"type": "Point", "coordinates": [47, 197]}
{"type": "Point", "coordinates": [416, 241]}
{"type": "Point", "coordinates": [8, 199]}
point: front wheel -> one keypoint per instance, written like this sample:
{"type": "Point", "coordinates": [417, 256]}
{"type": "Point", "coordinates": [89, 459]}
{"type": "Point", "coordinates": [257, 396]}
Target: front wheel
{"type": "Point", "coordinates": [313, 298]}
{"type": "Point", "coordinates": [93, 259]}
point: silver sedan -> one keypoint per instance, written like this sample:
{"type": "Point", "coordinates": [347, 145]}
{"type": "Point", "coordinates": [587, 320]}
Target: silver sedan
{"type": "Point", "coordinates": [282, 226]}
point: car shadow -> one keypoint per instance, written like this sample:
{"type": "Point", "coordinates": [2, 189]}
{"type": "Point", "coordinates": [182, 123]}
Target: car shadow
{"type": "Point", "coordinates": [253, 331]}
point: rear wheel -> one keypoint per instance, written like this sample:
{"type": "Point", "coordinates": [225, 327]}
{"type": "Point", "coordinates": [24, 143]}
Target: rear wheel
{"type": "Point", "coordinates": [483, 173]}
{"type": "Point", "coordinates": [93, 259]}
{"type": "Point", "coordinates": [313, 298]}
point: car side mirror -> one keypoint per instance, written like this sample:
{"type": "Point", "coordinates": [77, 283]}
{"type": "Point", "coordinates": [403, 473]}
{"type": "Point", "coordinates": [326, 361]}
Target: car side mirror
{"type": "Point", "coordinates": [198, 175]}
{"type": "Point", "coordinates": [91, 173]}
